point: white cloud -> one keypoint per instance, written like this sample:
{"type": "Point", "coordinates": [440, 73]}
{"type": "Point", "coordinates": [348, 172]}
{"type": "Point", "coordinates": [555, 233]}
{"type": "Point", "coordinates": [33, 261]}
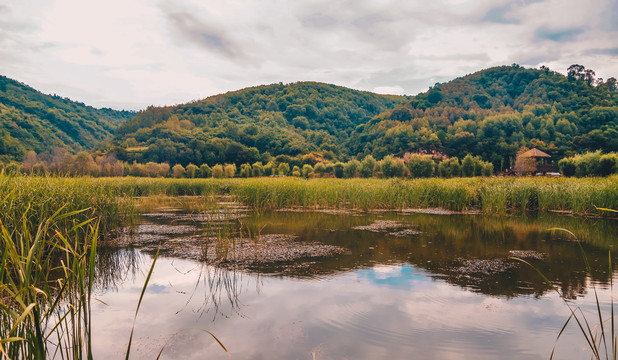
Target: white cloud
{"type": "Point", "coordinates": [136, 53]}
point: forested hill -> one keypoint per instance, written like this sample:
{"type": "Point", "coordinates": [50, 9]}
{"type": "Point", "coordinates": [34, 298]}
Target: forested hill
{"type": "Point", "coordinates": [492, 113]}
{"type": "Point", "coordinates": [31, 120]}
{"type": "Point", "coordinates": [250, 125]}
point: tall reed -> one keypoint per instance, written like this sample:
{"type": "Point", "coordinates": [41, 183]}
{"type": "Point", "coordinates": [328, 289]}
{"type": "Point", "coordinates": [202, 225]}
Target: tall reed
{"type": "Point", "coordinates": [46, 281]}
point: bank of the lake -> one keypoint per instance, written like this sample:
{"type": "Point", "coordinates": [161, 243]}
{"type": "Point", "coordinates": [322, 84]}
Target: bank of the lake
{"type": "Point", "coordinates": [489, 195]}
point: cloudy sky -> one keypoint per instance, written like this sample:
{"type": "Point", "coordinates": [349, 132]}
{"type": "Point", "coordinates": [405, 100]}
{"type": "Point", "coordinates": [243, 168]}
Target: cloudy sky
{"type": "Point", "coordinates": [133, 53]}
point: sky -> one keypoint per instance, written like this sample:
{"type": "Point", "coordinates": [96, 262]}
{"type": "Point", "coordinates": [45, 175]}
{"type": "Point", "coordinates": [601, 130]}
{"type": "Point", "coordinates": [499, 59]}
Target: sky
{"type": "Point", "coordinates": [129, 54]}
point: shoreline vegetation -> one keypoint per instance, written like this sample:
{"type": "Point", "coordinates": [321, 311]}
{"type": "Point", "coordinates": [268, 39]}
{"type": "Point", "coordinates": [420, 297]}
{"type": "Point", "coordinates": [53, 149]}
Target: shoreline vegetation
{"type": "Point", "coordinates": [111, 198]}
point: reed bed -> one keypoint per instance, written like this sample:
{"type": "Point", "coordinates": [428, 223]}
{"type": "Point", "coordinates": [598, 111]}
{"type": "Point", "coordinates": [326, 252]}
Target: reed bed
{"type": "Point", "coordinates": [110, 198]}
{"type": "Point", "coordinates": [35, 199]}
{"type": "Point", "coordinates": [495, 195]}
{"type": "Point", "coordinates": [490, 195]}
{"type": "Point", "coordinates": [49, 228]}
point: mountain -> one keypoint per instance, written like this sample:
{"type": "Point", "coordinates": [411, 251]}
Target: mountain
{"type": "Point", "coordinates": [31, 120]}
{"type": "Point", "coordinates": [494, 112]}
{"type": "Point", "coordinates": [250, 125]}
{"type": "Point", "coordinates": [491, 113]}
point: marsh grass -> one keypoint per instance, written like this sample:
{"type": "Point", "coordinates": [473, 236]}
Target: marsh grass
{"type": "Point", "coordinates": [47, 279]}
{"type": "Point", "coordinates": [114, 196]}
{"type": "Point", "coordinates": [490, 195]}
{"type": "Point", "coordinates": [49, 229]}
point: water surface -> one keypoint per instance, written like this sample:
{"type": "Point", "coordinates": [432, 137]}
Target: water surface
{"type": "Point", "coordinates": [408, 285]}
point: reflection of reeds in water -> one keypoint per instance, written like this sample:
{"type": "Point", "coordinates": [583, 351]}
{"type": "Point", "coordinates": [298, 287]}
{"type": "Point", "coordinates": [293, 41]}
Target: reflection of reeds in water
{"type": "Point", "coordinates": [115, 266]}
{"type": "Point", "coordinates": [602, 339]}
{"type": "Point", "coordinates": [223, 287]}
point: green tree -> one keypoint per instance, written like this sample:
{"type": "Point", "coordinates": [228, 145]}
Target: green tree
{"type": "Point", "coordinates": [351, 168]}
{"type": "Point", "coordinates": [283, 169]}
{"type": "Point", "coordinates": [245, 170]}
{"type": "Point", "coordinates": [338, 170]}
{"type": "Point", "coordinates": [367, 166]}
{"type": "Point", "coordinates": [421, 166]}
{"type": "Point", "coordinates": [467, 166]}
{"type": "Point", "coordinates": [217, 171]}
{"type": "Point", "coordinates": [257, 168]}
{"type": "Point", "coordinates": [306, 170]}
{"type": "Point", "coordinates": [205, 171]}
{"type": "Point", "coordinates": [229, 170]}
{"type": "Point", "coordinates": [191, 171]}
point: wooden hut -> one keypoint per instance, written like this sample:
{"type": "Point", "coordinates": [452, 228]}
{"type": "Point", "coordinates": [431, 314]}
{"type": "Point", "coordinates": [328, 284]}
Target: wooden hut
{"type": "Point", "coordinates": [539, 163]}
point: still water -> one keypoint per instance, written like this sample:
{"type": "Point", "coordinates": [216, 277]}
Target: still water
{"type": "Point", "coordinates": [400, 285]}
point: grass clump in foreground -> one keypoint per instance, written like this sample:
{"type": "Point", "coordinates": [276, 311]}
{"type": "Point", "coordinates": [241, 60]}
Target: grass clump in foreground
{"type": "Point", "coordinates": [49, 229]}
{"type": "Point", "coordinates": [46, 281]}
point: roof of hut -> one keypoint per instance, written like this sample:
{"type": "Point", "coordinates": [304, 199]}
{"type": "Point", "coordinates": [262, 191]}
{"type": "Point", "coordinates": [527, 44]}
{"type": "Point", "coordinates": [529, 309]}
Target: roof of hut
{"type": "Point", "coordinates": [535, 153]}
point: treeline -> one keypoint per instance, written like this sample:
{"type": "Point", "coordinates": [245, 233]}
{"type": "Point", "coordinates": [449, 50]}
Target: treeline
{"type": "Point", "coordinates": [61, 162]}
{"type": "Point", "coordinates": [589, 164]}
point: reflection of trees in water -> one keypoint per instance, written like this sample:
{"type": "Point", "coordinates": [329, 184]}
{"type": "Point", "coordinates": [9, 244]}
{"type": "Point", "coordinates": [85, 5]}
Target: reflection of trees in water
{"type": "Point", "coordinates": [468, 251]}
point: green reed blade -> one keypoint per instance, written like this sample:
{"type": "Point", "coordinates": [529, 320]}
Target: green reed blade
{"type": "Point", "coordinates": [154, 261]}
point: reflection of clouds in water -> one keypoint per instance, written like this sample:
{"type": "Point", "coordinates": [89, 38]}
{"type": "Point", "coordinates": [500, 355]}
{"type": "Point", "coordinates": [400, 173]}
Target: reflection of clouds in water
{"type": "Point", "coordinates": [382, 312]}
{"type": "Point", "coordinates": [395, 276]}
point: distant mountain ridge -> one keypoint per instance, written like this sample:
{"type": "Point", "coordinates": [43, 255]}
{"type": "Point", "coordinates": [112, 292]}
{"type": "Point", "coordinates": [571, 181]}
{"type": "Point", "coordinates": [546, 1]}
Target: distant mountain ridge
{"type": "Point", "coordinates": [31, 120]}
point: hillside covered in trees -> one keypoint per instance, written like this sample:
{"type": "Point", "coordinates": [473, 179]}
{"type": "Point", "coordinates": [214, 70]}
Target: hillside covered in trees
{"type": "Point", "coordinates": [250, 125]}
{"type": "Point", "coordinates": [491, 114]}
{"type": "Point", "coordinates": [33, 121]}
{"type": "Point", "coordinates": [494, 112]}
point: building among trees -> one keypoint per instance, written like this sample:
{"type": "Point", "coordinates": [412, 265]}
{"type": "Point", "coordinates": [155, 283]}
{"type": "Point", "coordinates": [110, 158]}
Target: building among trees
{"type": "Point", "coordinates": [533, 161]}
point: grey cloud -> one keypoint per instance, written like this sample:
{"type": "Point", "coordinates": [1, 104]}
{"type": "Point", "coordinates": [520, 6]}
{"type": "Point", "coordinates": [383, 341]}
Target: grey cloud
{"type": "Point", "coordinates": [383, 29]}
{"type": "Point", "coordinates": [504, 14]}
{"type": "Point", "coordinates": [204, 35]}
{"type": "Point", "coordinates": [317, 20]}
{"type": "Point", "coordinates": [608, 51]}
{"type": "Point", "coordinates": [609, 16]}
{"type": "Point", "coordinates": [557, 35]}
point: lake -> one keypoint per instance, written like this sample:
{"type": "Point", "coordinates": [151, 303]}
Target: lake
{"type": "Point", "coordinates": [348, 285]}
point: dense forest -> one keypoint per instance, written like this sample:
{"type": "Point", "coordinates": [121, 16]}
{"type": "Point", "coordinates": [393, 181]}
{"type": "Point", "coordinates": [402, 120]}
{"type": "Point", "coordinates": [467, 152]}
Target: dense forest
{"type": "Point", "coordinates": [251, 125]}
{"type": "Point", "coordinates": [33, 121]}
{"type": "Point", "coordinates": [494, 112]}
{"type": "Point", "coordinates": [491, 114]}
